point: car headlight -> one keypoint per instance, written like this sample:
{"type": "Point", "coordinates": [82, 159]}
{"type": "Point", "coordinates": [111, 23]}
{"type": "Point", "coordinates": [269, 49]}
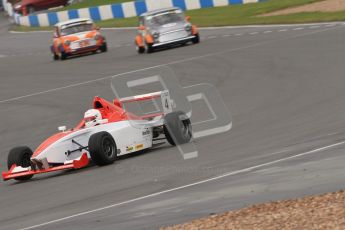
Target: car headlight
{"type": "Point", "coordinates": [188, 27]}
{"type": "Point", "coordinates": [17, 7]}
{"type": "Point", "coordinates": [97, 37]}
{"type": "Point", "coordinates": [67, 42]}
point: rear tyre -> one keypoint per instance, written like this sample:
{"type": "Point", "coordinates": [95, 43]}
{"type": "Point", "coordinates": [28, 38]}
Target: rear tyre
{"type": "Point", "coordinates": [177, 128]}
{"type": "Point", "coordinates": [196, 39]}
{"type": "Point", "coordinates": [149, 48]}
{"type": "Point", "coordinates": [104, 48]}
{"type": "Point", "coordinates": [21, 157]}
{"type": "Point", "coordinates": [102, 148]}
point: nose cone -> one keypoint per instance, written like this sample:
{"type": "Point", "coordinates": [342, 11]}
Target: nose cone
{"type": "Point", "coordinates": [49, 141]}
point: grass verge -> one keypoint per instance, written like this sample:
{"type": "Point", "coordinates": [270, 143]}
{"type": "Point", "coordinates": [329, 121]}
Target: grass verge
{"type": "Point", "coordinates": [235, 15]}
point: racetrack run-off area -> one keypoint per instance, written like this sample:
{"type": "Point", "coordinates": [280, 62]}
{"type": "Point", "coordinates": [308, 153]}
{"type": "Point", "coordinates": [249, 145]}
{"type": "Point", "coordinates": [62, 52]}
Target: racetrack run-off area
{"type": "Point", "coordinates": [302, 213]}
{"type": "Point", "coordinates": [323, 6]}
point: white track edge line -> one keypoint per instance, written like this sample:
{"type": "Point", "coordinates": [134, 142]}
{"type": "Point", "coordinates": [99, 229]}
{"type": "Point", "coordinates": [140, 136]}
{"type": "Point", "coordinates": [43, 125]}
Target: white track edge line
{"type": "Point", "coordinates": [200, 28]}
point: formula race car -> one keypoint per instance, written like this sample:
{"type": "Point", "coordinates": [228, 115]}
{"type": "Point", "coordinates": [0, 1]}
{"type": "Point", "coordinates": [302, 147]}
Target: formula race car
{"type": "Point", "coordinates": [164, 27]}
{"type": "Point", "coordinates": [76, 36]}
{"type": "Point", "coordinates": [106, 132]}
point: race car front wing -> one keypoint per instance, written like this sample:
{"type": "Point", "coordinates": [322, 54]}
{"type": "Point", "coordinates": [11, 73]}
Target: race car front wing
{"type": "Point", "coordinates": [18, 171]}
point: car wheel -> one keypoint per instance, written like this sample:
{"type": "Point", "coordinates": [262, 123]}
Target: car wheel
{"type": "Point", "coordinates": [149, 48]}
{"type": "Point", "coordinates": [104, 48]}
{"type": "Point", "coordinates": [21, 157]}
{"type": "Point", "coordinates": [177, 128]}
{"type": "Point", "coordinates": [55, 57]}
{"type": "Point", "coordinates": [196, 39]}
{"type": "Point", "coordinates": [63, 55]}
{"type": "Point", "coordinates": [141, 49]}
{"type": "Point", "coordinates": [102, 148]}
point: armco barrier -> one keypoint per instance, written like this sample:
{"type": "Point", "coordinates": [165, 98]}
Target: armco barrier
{"type": "Point", "coordinates": [123, 10]}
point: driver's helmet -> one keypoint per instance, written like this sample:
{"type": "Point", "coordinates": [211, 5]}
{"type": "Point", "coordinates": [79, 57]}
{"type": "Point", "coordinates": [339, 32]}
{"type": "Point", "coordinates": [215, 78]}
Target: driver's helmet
{"type": "Point", "coordinates": [92, 117]}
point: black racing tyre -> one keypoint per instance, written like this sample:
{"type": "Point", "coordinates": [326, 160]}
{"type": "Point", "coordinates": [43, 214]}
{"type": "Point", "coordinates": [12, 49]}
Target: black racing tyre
{"type": "Point", "coordinates": [140, 49]}
{"type": "Point", "coordinates": [196, 39]}
{"type": "Point", "coordinates": [102, 148]}
{"type": "Point", "coordinates": [55, 57]}
{"type": "Point", "coordinates": [177, 128]}
{"type": "Point", "coordinates": [63, 55]}
{"type": "Point", "coordinates": [149, 48]}
{"type": "Point", "coordinates": [21, 157]}
{"type": "Point", "coordinates": [103, 48]}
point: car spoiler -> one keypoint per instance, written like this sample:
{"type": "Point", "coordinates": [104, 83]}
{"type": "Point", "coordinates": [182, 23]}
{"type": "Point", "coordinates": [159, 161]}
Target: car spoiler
{"type": "Point", "coordinates": [167, 103]}
{"type": "Point", "coordinates": [18, 171]}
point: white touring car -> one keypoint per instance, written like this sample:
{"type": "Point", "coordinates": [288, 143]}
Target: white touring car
{"type": "Point", "coordinates": [106, 132]}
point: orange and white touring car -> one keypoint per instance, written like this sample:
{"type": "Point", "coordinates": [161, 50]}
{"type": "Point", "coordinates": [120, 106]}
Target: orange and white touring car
{"type": "Point", "coordinates": [75, 37]}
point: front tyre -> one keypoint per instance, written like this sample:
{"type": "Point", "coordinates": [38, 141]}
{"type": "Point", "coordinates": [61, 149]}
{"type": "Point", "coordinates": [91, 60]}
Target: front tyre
{"type": "Point", "coordinates": [21, 157]}
{"type": "Point", "coordinates": [104, 48]}
{"type": "Point", "coordinates": [177, 128]}
{"type": "Point", "coordinates": [196, 39]}
{"type": "Point", "coordinates": [102, 148]}
{"type": "Point", "coordinates": [55, 57]}
{"type": "Point", "coordinates": [140, 49]}
{"type": "Point", "coordinates": [63, 55]}
{"type": "Point", "coordinates": [149, 48]}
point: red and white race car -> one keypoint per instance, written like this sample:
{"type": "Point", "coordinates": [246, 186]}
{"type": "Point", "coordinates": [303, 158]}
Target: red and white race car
{"type": "Point", "coordinates": [106, 132]}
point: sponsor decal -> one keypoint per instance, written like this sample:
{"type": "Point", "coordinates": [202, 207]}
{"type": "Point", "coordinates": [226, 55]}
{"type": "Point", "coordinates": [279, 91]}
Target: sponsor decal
{"type": "Point", "coordinates": [140, 146]}
{"type": "Point", "coordinates": [129, 148]}
{"type": "Point", "coordinates": [146, 132]}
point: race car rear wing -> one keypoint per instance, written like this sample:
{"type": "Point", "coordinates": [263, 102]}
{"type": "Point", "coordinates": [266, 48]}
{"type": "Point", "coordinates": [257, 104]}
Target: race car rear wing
{"type": "Point", "coordinates": [167, 103]}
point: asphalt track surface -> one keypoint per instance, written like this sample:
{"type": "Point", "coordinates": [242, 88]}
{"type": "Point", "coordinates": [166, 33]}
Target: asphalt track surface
{"type": "Point", "coordinates": [284, 86]}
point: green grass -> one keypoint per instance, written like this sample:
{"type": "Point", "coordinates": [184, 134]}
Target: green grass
{"type": "Point", "coordinates": [238, 15]}
{"type": "Point", "coordinates": [90, 3]}
{"type": "Point", "coordinates": [250, 14]}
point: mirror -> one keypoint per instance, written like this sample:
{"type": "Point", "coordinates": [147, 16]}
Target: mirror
{"type": "Point", "coordinates": [188, 18]}
{"type": "Point", "coordinates": [141, 27]}
{"type": "Point", "coordinates": [62, 128]}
